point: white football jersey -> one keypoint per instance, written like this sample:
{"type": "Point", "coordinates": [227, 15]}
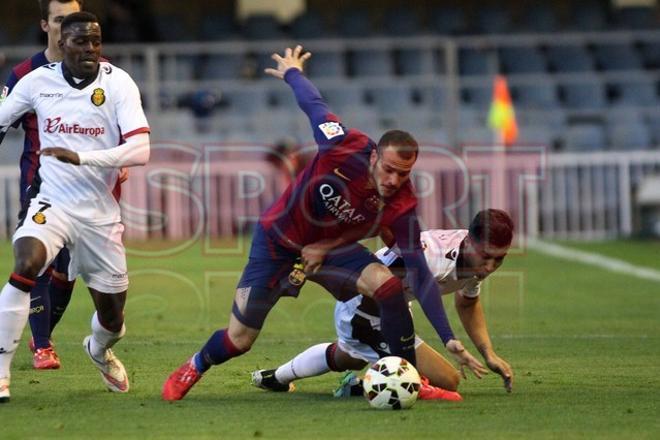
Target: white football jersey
{"type": "Point", "coordinates": [441, 252]}
{"type": "Point", "coordinates": [81, 116]}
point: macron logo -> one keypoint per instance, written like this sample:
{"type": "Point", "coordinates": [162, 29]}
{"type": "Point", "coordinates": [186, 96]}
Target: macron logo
{"type": "Point", "coordinates": [55, 125]}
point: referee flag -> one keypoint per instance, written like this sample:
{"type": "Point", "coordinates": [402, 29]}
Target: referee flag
{"type": "Point", "coordinates": [502, 117]}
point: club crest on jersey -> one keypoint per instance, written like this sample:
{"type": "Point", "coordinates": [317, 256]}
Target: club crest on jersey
{"type": "Point", "coordinates": [39, 218]}
{"type": "Point", "coordinates": [3, 95]}
{"type": "Point", "coordinates": [374, 204]}
{"type": "Point", "coordinates": [331, 129]}
{"type": "Point", "coordinates": [98, 97]}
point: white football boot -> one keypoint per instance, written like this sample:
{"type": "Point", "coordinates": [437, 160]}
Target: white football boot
{"type": "Point", "coordinates": [112, 370]}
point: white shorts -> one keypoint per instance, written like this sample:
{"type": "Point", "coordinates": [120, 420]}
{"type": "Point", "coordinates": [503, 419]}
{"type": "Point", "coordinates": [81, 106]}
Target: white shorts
{"type": "Point", "coordinates": [358, 334]}
{"type": "Point", "coordinates": [97, 251]}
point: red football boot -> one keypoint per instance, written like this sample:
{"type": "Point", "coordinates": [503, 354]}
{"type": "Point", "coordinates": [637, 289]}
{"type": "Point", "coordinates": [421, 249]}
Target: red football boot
{"type": "Point", "coordinates": [181, 381]}
{"type": "Point", "coordinates": [429, 392]}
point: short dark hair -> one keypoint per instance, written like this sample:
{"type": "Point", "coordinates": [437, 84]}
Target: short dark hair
{"type": "Point", "coordinates": [44, 6]}
{"type": "Point", "coordinates": [77, 17]}
{"type": "Point", "coordinates": [405, 143]}
{"type": "Point", "coordinates": [493, 227]}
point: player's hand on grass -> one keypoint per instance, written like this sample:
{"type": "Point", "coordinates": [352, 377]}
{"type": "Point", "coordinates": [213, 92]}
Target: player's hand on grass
{"type": "Point", "coordinates": [61, 154]}
{"type": "Point", "coordinates": [123, 175]}
{"type": "Point", "coordinates": [292, 58]}
{"type": "Point", "coordinates": [465, 359]}
{"type": "Point", "coordinates": [501, 367]}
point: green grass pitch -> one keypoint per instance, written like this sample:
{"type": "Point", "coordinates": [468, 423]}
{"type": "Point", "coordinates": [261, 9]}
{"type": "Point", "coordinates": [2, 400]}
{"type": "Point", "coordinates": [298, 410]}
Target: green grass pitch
{"type": "Point", "coordinates": [584, 344]}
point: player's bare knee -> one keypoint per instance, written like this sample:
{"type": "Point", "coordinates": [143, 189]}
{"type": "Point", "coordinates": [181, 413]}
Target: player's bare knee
{"type": "Point", "coordinates": [453, 381]}
{"type": "Point", "coordinates": [28, 266]}
{"type": "Point", "coordinates": [242, 337]}
{"type": "Point", "coordinates": [29, 257]}
{"type": "Point", "coordinates": [373, 277]}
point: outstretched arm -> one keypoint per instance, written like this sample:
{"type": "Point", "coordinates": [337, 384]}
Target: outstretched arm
{"type": "Point", "coordinates": [134, 152]}
{"type": "Point", "coordinates": [474, 321]}
{"type": "Point", "coordinates": [327, 127]}
{"type": "Point", "coordinates": [406, 232]}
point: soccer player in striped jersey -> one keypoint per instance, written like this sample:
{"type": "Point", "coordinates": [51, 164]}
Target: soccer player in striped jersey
{"type": "Point", "coordinates": [460, 259]}
{"type": "Point", "coordinates": [84, 108]}
{"type": "Point", "coordinates": [352, 189]}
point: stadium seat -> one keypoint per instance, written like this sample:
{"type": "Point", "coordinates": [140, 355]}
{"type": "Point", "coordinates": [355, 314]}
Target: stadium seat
{"type": "Point", "coordinates": [640, 92]}
{"type": "Point", "coordinates": [262, 27]}
{"type": "Point", "coordinates": [370, 62]}
{"type": "Point", "coordinates": [282, 98]}
{"type": "Point", "coordinates": [629, 137]}
{"type": "Point", "coordinates": [246, 100]}
{"type": "Point", "coordinates": [354, 22]}
{"type": "Point", "coordinates": [178, 68]}
{"type": "Point", "coordinates": [567, 59]}
{"type": "Point", "coordinates": [584, 137]}
{"type": "Point", "coordinates": [401, 22]}
{"type": "Point", "coordinates": [584, 95]}
{"type": "Point", "coordinates": [540, 95]}
{"type": "Point", "coordinates": [623, 115]}
{"type": "Point", "coordinates": [493, 20]}
{"type": "Point", "coordinates": [343, 98]}
{"type": "Point", "coordinates": [637, 17]}
{"type": "Point", "coordinates": [434, 98]}
{"type": "Point", "coordinates": [477, 97]}
{"type": "Point", "coordinates": [391, 100]}
{"type": "Point", "coordinates": [216, 27]}
{"type": "Point", "coordinates": [475, 135]}
{"type": "Point", "coordinates": [617, 57]}
{"type": "Point", "coordinates": [222, 66]}
{"type": "Point", "coordinates": [588, 16]}
{"type": "Point", "coordinates": [653, 124]}
{"type": "Point", "coordinates": [651, 54]}
{"type": "Point", "coordinates": [537, 135]}
{"type": "Point", "coordinates": [309, 24]}
{"type": "Point", "coordinates": [414, 62]}
{"type": "Point", "coordinates": [477, 62]}
{"type": "Point", "coordinates": [327, 64]}
{"type": "Point", "coordinates": [448, 21]}
{"type": "Point", "coordinates": [540, 18]}
{"type": "Point", "coordinates": [523, 59]}
{"type": "Point", "coordinates": [553, 119]}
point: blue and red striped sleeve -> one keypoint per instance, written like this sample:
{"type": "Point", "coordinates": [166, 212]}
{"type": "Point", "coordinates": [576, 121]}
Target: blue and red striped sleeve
{"type": "Point", "coordinates": [327, 127]}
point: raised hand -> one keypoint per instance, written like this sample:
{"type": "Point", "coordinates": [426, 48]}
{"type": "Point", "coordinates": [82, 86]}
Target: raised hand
{"type": "Point", "coordinates": [292, 58]}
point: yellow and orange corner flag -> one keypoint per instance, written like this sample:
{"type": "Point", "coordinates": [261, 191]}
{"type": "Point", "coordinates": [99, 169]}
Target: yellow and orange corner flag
{"type": "Point", "coordinates": [502, 117]}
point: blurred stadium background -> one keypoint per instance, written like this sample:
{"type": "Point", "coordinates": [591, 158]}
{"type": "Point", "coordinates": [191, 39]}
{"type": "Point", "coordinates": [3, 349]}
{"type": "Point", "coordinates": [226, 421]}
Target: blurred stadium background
{"type": "Point", "coordinates": [579, 323]}
{"type": "Point", "coordinates": [584, 78]}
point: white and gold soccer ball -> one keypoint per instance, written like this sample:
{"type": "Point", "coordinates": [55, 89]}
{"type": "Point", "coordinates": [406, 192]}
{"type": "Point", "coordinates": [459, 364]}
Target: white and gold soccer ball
{"type": "Point", "coordinates": [391, 383]}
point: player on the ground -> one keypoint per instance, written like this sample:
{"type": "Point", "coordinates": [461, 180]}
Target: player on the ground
{"type": "Point", "coordinates": [52, 293]}
{"type": "Point", "coordinates": [459, 260]}
{"type": "Point", "coordinates": [350, 190]}
{"type": "Point", "coordinates": [84, 108]}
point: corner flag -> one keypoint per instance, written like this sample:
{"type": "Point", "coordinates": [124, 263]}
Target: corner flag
{"type": "Point", "coordinates": [501, 117]}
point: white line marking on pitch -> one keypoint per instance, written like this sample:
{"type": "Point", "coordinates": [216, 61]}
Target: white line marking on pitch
{"type": "Point", "coordinates": [596, 260]}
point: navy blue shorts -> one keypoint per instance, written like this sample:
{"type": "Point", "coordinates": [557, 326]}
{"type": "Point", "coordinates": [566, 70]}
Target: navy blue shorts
{"type": "Point", "coordinates": [265, 278]}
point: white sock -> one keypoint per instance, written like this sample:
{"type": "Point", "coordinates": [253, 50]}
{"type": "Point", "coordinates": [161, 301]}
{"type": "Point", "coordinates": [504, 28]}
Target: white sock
{"type": "Point", "coordinates": [309, 363]}
{"type": "Point", "coordinates": [14, 311]}
{"type": "Point", "coordinates": [102, 338]}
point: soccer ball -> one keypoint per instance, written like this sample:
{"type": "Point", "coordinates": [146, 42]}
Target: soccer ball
{"type": "Point", "coordinates": [391, 383]}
